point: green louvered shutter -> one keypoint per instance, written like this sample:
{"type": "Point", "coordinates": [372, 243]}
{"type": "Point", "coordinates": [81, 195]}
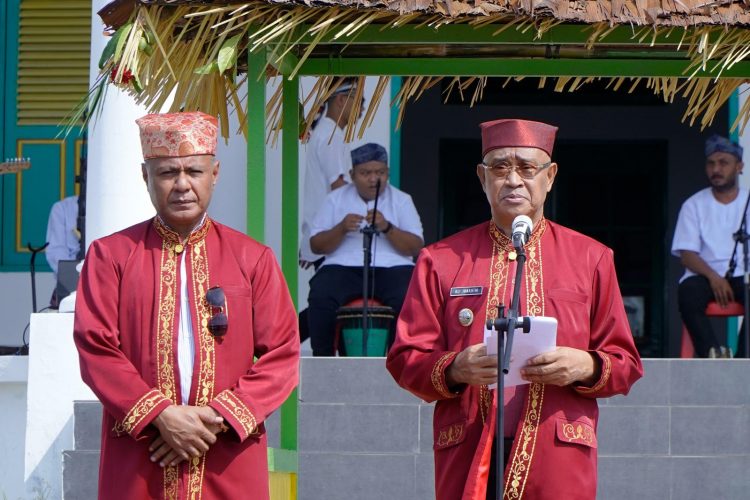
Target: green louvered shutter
{"type": "Point", "coordinates": [53, 59]}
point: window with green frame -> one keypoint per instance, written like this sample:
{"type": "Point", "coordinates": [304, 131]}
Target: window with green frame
{"type": "Point", "coordinates": [45, 51]}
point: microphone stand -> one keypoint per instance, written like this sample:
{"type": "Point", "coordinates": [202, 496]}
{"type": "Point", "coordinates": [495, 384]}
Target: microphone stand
{"type": "Point", "coordinates": [367, 234]}
{"type": "Point", "coordinates": [505, 326]}
{"type": "Point", "coordinates": [742, 236]}
{"type": "Point", "coordinates": [32, 269]}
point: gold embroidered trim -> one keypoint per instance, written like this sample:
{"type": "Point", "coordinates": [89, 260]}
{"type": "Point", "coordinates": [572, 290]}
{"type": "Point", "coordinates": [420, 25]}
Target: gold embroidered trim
{"type": "Point", "coordinates": [206, 341]}
{"type": "Point", "coordinates": [506, 243]}
{"type": "Point", "coordinates": [171, 236]}
{"type": "Point", "coordinates": [206, 355]}
{"type": "Point", "coordinates": [438, 377]}
{"type": "Point", "coordinates": [485, 402]}
{"type": "Point", "coordinates": [237, 408]}
{"type": "Point", "coordinates": [165, 322]}
{"type": "Point", "coordinates": [498, 273]}
{"type": "Point", "coordinates": [518, 472]}
{"type": "Point", "coordinates": [138, 412]}
{"type": "Point", "coordinates": [578, 432]}
{"type": "Point", "coordinates": [498, 278]}
{"type": "Point", "coordinates": [171, 482]}
{"type": "Point", "coordinates": [195, 477]}
{"type": "Point", "coordinates": [534, 289]}
{"type": "Point", "coordinates": [165, 337]}
{"type": "Point", "coordinates": [533, 275]}
{"type": "Point", "coordinates": [450, 435]}
{"type": "Point", "coordinates": [606, 372]}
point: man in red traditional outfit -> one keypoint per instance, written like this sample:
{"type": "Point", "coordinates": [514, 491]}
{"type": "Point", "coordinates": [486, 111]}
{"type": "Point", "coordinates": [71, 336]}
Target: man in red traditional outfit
{"type": "Point", "coordinates": [439, 354]}
{"type": "Point", "coordinates": [186, 332]}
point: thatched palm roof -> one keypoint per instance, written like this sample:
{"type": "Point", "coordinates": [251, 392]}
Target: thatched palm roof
{"type": "Point", "coordinates": [196, 49]}
{"type": "Point", "coordinates": [637, 12]}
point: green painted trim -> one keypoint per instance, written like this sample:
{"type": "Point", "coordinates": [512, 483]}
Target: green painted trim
{"type": "Point", "coordinates": [734, 109]}
{"type": "Point", "coordinates": [733, 325]}
{"type": "Point", "coordinates": [256, 146]}
{"type": "Point", "coordinates": [280, 460]}
{"type": "Point", "coordinates": [465, 34]}
{"type": "Point", "coordinates": [290, 228]}
{"type": "Point", "coordinates": [287, 64]}
{"type": "Point", "coordinates": [395, 159]}
{"type": "Point", "coordinates": [4, 41]}
{"type": "Point", "coordinates": [10, 28]}
{"type": "Point", "coordinates": [290, 182]}
{"type": "Point", "coordinates": [475, 66]}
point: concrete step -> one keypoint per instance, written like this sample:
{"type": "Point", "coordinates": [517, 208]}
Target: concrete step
{"type": "Point", "coordinates": [87, 417]}
{"type": "Point", "coordinates": [80, 474]}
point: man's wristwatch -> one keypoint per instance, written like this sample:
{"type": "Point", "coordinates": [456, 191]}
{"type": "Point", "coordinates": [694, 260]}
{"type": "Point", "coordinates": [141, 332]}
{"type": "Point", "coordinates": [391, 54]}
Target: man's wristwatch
{"type": "Point", "coordinates": [387, 228]}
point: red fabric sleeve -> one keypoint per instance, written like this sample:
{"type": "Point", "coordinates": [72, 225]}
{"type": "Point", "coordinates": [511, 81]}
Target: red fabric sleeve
{"type": "Point", "coordinates": [104, 367]}
{"type": "Point", "coordinates": [419, 356]}
{"type": "Point", "coordinates": [610, 337]}
{"type": "Point", "coordinates": [275, 330]}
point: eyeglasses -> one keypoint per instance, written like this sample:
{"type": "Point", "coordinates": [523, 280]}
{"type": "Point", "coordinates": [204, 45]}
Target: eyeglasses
{"type": "Point", "coordinates": [219, 321]}
{"type": "Point", "coordinates": [502, 169]}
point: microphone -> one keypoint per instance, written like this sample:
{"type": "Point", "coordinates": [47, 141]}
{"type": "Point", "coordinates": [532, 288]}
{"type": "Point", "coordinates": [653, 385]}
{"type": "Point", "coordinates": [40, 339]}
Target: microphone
{"type": "Point", "coordinates": [522, 227]}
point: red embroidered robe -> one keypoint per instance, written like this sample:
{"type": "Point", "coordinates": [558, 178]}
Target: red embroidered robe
{"type": "Point", "coordinates": [567, 276]}
{"type": "Point", "coordinates": [126, 323]}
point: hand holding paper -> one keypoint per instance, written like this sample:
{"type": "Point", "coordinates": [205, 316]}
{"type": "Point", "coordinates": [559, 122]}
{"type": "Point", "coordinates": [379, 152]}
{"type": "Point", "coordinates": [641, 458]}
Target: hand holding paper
{"type": "Point", "coordinates": [542, 338]}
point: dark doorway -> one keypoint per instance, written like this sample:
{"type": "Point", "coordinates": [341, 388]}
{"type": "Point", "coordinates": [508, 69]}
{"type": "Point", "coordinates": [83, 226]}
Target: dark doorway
{"type": "Point", "coordinates": [609, 190]}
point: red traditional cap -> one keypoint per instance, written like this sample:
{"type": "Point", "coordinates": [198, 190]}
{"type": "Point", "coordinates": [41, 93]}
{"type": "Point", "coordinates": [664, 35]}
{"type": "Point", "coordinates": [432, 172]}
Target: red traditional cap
{"type": "Point", "coordinates": [517, 133]}
{"type": "Point", "coordinates": [178, 134]}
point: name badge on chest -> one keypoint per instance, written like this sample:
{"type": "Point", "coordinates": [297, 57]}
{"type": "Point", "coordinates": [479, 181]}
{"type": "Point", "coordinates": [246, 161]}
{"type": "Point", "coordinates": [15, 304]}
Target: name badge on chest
{"type": "Point", "coordinates": [462, 291]}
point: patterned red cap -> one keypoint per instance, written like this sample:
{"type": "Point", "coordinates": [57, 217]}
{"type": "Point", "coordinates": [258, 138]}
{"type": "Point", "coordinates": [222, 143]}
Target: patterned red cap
{"type": "Point", "coordinates": [178, 134]}
{"type": "Point", "coordinates": [517, 133]}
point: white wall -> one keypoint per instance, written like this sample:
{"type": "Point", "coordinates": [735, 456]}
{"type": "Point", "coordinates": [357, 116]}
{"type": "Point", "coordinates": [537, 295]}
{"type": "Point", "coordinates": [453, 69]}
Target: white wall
{"type": "Point", "coordinates": [13, 371]}
{"type": "Point", "coordinates": [228, 203]}
{"type": "Point", "coordinates": [15, 308]}
{"type": "Point", "coordinates": [54, 382]}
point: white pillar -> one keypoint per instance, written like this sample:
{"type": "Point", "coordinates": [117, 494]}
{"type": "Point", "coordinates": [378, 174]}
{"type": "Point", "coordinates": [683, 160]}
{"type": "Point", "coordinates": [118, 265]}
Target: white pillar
{"type": "Point", "coordinates": [116, 195]}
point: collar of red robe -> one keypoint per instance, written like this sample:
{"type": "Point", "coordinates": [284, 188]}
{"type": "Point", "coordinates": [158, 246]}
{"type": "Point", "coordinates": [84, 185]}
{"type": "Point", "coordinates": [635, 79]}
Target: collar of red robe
{"type": "Point", "coordinates": [505, 242]}
{"type": "Point", "coordinates": [170, 236]}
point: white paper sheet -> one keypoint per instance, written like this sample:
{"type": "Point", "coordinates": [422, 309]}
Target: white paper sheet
{"type": "Point", "coordinates": [542, 337]}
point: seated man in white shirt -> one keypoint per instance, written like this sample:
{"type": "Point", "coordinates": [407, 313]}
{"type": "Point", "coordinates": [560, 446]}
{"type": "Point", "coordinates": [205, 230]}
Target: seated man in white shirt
{"type": "Point", "coordinates": [335, 233]}
{"type": "Point", "coordinates": [62, 232]}
{"type": "Point", "coordinates": [704, 243]}
{"type": "Point", "coordinates": [63, 240]}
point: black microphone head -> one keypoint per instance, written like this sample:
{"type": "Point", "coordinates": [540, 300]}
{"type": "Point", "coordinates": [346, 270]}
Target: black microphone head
{"type": "Point", "coordinates": [377, 186]}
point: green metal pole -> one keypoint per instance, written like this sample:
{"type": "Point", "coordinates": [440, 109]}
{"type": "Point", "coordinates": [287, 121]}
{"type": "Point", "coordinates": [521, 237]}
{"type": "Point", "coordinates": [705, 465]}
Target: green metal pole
{"type": "Point", "coordinates": [395, 159]}
{"type": "Point", "coordinates": [256, 145]}
{"type": "Point", "coordinates": [499, 66]}
{"type": "Point", "coordinates": [733, 321]}
{"type": "Point", "coordinates": [290, 228]}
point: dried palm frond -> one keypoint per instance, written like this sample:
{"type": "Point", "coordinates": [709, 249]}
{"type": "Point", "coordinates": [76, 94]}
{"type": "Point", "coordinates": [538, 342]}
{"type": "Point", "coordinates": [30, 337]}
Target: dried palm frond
{"type": "Point", "coordinates": [190, 53]}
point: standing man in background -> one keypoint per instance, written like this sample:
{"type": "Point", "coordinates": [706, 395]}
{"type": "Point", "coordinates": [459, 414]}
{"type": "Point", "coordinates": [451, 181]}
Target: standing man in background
{"type": "Point", "coordinates": [328, 159]}
{"type": "Point", "coordinates": [186, 333]}
{"type": "Point", "coordinates": [703, 241]}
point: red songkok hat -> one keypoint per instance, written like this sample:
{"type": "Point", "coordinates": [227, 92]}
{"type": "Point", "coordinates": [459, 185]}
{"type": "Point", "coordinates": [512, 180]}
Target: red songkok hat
{"type": "Point", "coordinates": [178, 134]}
{"type": "Point", "coordinates": [517, 133]}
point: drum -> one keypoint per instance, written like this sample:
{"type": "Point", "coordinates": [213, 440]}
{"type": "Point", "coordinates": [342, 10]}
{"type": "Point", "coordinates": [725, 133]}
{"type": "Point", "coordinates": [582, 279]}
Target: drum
{"type": "Point", "coordinates": [349, 324]}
